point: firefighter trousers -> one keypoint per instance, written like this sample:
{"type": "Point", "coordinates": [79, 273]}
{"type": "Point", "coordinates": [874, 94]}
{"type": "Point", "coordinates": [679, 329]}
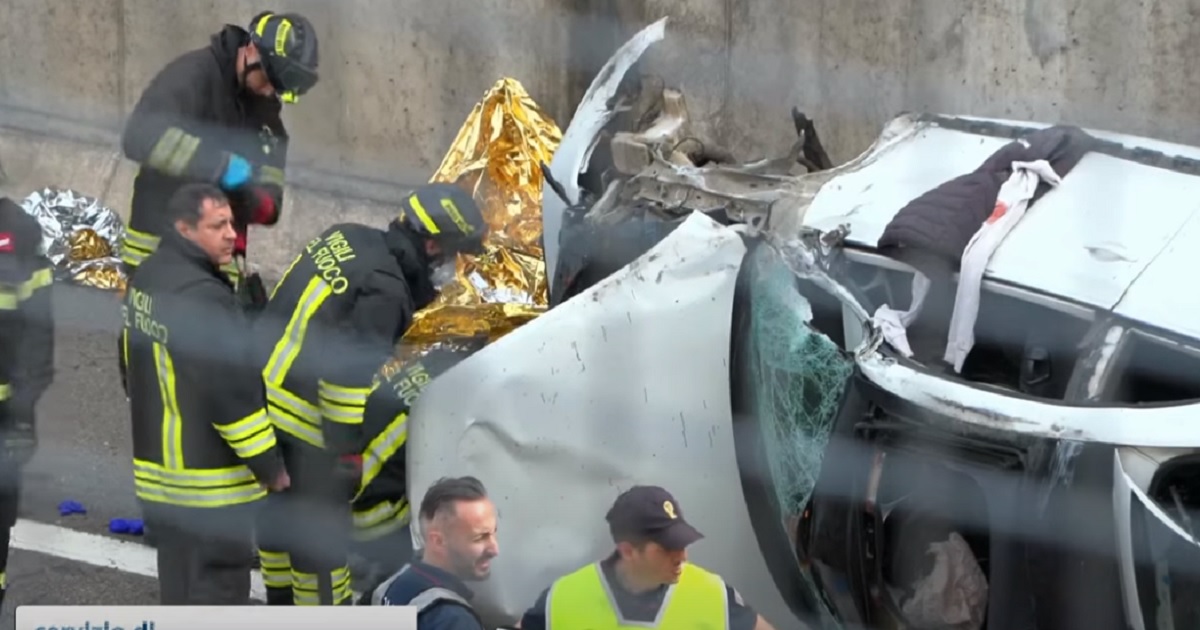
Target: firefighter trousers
{"type": "Point", "coordinates": [304, 533]}
{"type": "Point", "coordinates": [10, 503]}
{"type": "Point", "coordinates": [205, 555]}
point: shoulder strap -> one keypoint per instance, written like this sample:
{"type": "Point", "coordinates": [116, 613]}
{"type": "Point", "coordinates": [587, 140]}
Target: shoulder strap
{"type": "Point", "coordinates": [429, 597]}
{"type": "Point", "coordinates": [380, 591]}
{"type": "Point", "coordinates": [438, 595]}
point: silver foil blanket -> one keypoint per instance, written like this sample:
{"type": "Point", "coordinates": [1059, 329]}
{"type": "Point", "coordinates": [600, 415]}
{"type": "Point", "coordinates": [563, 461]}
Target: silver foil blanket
{"type": "Point", "coordinates": [81, 236]}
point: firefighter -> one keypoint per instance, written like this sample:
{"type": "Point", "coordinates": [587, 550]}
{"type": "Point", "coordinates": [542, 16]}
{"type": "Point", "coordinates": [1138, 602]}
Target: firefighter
{"type": "Point", "coordinates": [26, 355]}
{"type": "Point", "coordinates": [647, 580]}
{"type": "Point", "coordinates": [204, 450]}
{"type": "Point", "coordinates": [381, 506]}
{"type": "Point", "coordinates": [329, 325]}
{"type": "Point", "coordinates": [213, 115]}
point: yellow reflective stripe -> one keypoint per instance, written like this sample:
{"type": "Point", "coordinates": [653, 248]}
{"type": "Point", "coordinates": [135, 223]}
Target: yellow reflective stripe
{"type": "Point", "coordinates": [276, 568]}
{"type": "Point", "coordinates": [212, 497]}
{"type": "Point", "coordinates": [287, 272]}
{"type": "Point", "coordinates": [341, 404]}
{"type": "Point", "coordinates": [293, 404]}
{"type": "Point", "coordinates": [288, 346]}
{"type": "Point", "coordinates": [422, 215]}
{"type": "Point", "coordinates": [384, 511]}
{"type": "Point", "coordinates": [5, 391]}
{"type": "Point", "coordinates": [281, 37]}
{"type": "Point", "coordinates": [173, 151]}
{"type": "Point", "coordinates": [3, 580]}
{"type": "Point", "coordinates": [382, 448]}
{"type": "Point", "coordinates": [172, 420]}
{"type": "Point", "coordinates": [262, 24]}
{"type": "Point", "coordinates": [204, 487]}
{"type": "Point", "coordinates": [133, 257]}
{"type": "Point", "coordinates": [136, 246]}
{"type": "Point", "coordinates": [380, 520]}
{"type": "Point", "coordinates": [40, 279]}
{"type": "Point", "coordinates": [271, 175]}
{"type": "Point", "coordinates": [125, 346]}
{"type": "Point", "coordinates": [305, 585]}
{"type": "Point", "coordinates": [11, 295]}
{"type": "Point", "coordinates": [342, 395]}
{"type": "Point", "coordinates": [193, 478]}
{"type": "Point", "coordinates": [284, 420]}
{"type": "Point", "coordinates": [141, 240]}
{"type": "Point", "coordinates": [249, 436]}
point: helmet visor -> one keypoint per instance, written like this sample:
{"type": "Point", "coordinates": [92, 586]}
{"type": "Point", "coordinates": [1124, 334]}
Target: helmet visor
{"type": "Point", "coordinates": [290, 79]}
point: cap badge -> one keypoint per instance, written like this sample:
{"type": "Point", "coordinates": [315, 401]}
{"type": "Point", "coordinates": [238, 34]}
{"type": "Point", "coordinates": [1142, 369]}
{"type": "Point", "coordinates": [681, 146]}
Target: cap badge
{"type": "Point", "coordinates": [669, 508]}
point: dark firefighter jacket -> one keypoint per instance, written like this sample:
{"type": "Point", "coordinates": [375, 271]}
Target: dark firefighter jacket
{"type": "Point", "coordinates": [26, 316]}
{"type": "Point", "coordinates": [381, 505]}
{"type": "Point", "coordinates": [201, 435]}
{"type": "Point", "coordinates": [190, 118]}
{"type": "Point", "coordinates": [330, 324]}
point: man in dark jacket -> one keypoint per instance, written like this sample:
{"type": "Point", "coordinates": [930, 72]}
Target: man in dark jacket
{"type": "Point", "coordinates": [459, 525]}
{"type": "Point", "coordinates": [204, 450]}
{"type": "Point", "coordinates": [329, 325]}
{"type": "Point", "coordinates": [26, 355]}
{"type": "Point", "coordinates": [213, 115]}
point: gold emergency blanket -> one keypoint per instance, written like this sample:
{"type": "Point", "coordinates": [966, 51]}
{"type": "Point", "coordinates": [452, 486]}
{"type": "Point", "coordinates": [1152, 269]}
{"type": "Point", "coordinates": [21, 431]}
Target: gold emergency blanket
{"type": "Point", "coordinates": [497, 157]}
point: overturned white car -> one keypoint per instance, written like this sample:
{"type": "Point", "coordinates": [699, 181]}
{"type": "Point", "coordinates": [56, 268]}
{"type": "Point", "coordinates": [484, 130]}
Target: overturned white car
{"type": "Point", "coordinates": [1047, 480]}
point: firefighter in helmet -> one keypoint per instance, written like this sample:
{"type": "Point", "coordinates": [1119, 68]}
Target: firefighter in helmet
{"type": "Point", "coordinates": [328, 326]}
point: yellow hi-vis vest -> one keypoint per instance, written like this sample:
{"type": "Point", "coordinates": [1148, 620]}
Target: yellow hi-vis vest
{"type": "Point", "coordinates": [584, 600]}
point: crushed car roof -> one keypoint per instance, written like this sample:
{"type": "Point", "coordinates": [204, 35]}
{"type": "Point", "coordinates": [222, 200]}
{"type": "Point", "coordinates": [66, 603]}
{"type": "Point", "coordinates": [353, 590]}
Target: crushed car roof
{"type": "Point", "coordinates": [1121, 234]}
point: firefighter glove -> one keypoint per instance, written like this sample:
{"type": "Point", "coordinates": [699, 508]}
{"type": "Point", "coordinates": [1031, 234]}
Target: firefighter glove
{"type": "Point", "coordinates": [237, 172]}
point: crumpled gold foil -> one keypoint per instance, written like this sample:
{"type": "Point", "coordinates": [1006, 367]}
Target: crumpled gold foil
{"type": "Point", "coordinates": [87, 244]}
{"type": "Point", "coordinates": [497, 157]}
{"type": "Point", "coordinates": [103, 273]}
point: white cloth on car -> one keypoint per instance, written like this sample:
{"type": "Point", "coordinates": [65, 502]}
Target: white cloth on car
{"type": "Point", "coordinates": [1011, 205]}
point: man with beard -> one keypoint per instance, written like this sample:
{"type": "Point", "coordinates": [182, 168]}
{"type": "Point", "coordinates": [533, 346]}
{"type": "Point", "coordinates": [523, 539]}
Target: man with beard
{"type": "Point", "coordinates": [459, 523]}
{"type": "Point", "coordinates": [213, 115]}
{"type": "Point", "coordinates": [329, 325]}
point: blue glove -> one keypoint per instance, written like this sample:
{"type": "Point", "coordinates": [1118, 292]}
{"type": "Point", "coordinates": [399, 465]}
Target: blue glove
{"type": "Point", "coordinates": [69, 507]}
{"type": "Point", "coordinates": [237, 173]}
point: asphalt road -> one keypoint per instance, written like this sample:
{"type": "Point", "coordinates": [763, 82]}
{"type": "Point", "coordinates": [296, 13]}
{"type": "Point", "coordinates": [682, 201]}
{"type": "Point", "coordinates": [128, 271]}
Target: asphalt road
{"type": "Point", "coordinates": [84, 455]}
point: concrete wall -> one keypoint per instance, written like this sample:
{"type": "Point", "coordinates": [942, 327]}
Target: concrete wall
{"type": "Point", "coordinates": [1124, 66]}
{"type": "Point", "coordinates": [399, 76]}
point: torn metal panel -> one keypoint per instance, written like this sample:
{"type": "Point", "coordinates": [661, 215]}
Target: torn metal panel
{"type": "Point", "coordinates": [594, 111]}
{"type": "Point", "coordinates": [1163, 426]}
{"type": "Point", "coordinates": [591, 398]}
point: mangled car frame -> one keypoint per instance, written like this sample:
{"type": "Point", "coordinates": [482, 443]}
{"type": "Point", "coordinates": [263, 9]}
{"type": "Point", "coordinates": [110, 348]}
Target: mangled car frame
{"type": "Point", "coordinates": [948, 384]}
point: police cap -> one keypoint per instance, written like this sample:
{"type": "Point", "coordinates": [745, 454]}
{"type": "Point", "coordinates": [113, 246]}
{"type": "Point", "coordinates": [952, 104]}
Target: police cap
{"type": "Point", "coordinates": [650, 513]}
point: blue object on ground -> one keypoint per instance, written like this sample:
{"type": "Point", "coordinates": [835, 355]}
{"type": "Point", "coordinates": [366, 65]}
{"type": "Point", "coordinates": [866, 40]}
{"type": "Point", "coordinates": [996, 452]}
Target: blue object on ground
{"type": "Point", "coordinates": [69, 507]}
{"type": "Point", "coordinates": [131, 526]}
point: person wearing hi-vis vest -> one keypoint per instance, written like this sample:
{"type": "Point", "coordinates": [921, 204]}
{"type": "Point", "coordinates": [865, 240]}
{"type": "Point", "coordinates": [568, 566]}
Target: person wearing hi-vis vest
{"type": "Point", "coordinates": [647, 581]}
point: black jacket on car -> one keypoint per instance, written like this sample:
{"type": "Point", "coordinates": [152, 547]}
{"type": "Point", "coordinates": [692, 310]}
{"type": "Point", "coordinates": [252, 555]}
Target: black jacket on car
{"type": "Point", "coordinates": [943, 220]}
{"type": "Point", "coordinates": [201, 435]}
{"type": "Point", "coordinates": [331, 323]}
{"type": "Point", "coordinates": [190, 118]}
{"type": "Point", "coordinates": [26, 316]}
